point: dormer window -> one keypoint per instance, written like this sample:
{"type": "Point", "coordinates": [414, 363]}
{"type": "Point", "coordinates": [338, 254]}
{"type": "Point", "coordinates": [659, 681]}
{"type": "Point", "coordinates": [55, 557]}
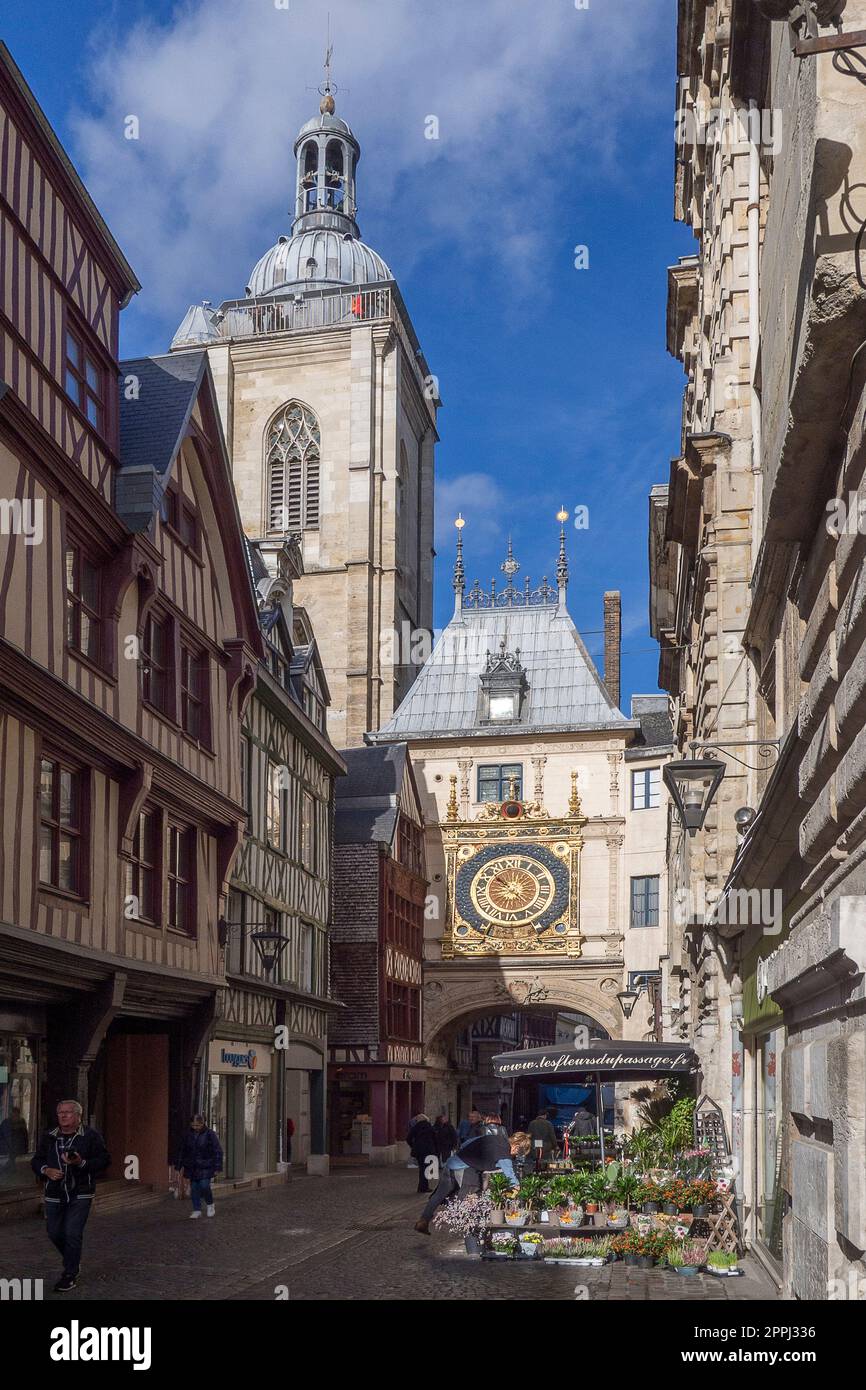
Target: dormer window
{"type": "Point", "coordinates": [503, 707]}
{"type": "Point", "coordinates": [504, 688]}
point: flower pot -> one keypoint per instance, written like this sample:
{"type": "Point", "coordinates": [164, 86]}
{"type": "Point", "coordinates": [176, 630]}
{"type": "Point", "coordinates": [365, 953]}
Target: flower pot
{"type": "Point", "coordinates": [687, 1269]}
{"type": "Point", "coordinates": [516, 1221]}
{"type": "Point", "coordinates": [699, 1212]}
{"type": "Point", "coordinates": [528, 1249]}
{"type": "Point", "coordinates": [650, 1208]}
{"type": "Point", "coordinates": [472, 1244]}
{"type": "Point", "coordinates": [632, 1259]}
{"type": "Point", "coordinates": [645, 1261]}
{"type": "Point", "coordinates": [591, 1208]}
{"type": "Point", "coordinates": [670, 1208]}
{"type": "Point", "coordinates": [497, 1217]}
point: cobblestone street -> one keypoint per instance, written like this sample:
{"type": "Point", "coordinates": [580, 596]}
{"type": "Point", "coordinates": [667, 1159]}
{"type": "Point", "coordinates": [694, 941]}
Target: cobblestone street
{"type": "Point", "coordinates": [348, 1236]}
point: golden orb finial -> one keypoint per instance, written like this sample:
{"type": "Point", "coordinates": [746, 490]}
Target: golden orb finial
{"type": "Point", "coordinates": [562, 516]}
{"type": "Point", "coordinates": [327, 105]}
{"type": "Point", "coordinates": [459, 523]}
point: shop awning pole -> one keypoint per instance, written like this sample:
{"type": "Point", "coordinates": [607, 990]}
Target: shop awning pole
{"type": "Point", "coordinates": [599, 1108]}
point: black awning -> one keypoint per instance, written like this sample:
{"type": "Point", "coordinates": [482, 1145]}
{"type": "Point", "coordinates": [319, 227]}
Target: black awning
{"type": "Point", "coordinates": [600, 1061]}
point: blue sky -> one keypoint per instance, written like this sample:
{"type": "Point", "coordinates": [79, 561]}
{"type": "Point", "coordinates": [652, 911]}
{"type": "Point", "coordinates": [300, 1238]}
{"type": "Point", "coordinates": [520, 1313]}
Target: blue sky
{"type": "Point", "coordinates": [555, 131]}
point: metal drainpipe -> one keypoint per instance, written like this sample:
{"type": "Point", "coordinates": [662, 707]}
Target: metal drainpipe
{"type": "Point", "coordinates": [754, 228]}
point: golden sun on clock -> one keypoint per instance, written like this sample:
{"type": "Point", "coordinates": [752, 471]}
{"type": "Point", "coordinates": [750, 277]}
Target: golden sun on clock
{"type": "Point", "coordinates": [512, 890]}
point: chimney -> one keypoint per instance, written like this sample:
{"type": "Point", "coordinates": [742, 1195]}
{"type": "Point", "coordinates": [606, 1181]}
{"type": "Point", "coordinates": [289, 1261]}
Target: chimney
{"type": "Point", "coordinates": [612, 642]}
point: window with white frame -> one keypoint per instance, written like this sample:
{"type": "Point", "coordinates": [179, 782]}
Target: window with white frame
{"type": "Point", "coordinates": [646, 788]}
{"type": "Point", "coordinates": [644, 901]}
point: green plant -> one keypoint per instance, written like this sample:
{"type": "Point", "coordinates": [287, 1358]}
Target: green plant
{"type": "Point", "coordinates": [562, 1190]}
{"type": "Point", "coordinates": [499, 1189]}
{"type": "Point", "coordinates": [649, 1191]}
{"type": "Point", "coordinates": [599, 1247]}
{"type": "Point", "coordinates": [532, 1190]}
{"type": "Point", "coordinates": [627, 1187]}
{"type": "Point", "coordinates": [674, 1257]}
{"type": "Point", "coordinates": [722, 1259]}
{"type": "Point", "coordinates": [559, 1249]}
{"type": "Point", "coordinates": [597, 1187]}
{"type": "Point", "coordinates": [676, 1128]}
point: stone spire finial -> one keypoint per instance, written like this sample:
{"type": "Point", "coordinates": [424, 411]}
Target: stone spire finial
{"type": "Point", "coordinates": [452, 812]}
{"type": "Point", "coordinates": [562, 562]}
{"type": "Point", "coordinates": [459, 580]}
{"type": "Point", "coordinates": [574, 809]}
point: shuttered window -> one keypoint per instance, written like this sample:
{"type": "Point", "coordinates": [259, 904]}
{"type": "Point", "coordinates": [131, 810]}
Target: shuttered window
{"type": "Point", "coordinates": [293, 462]}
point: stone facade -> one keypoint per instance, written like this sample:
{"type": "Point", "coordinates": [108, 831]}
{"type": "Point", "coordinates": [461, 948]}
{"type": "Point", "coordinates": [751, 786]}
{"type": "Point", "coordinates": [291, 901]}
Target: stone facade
{"type": "Point", "coordinates": [775, 290]}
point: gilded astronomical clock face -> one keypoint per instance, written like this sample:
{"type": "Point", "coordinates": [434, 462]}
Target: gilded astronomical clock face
{"type": "Point", "coordinates": [511, 893]}
{"type": "Point", "coordinates": [513, 890]}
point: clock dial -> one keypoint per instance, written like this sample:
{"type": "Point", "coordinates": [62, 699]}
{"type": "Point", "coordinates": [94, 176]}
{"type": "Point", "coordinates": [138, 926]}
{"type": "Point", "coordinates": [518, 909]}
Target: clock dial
{"type": "Point", "coordinates": [512, 890]}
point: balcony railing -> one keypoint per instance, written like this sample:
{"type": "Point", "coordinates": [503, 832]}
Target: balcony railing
{"type": "Point", "coordinates": [302, 313]}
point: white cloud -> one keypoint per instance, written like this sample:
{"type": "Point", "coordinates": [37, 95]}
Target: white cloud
{"type": "Point", "coordinates": [222, 89]}
{"type": "Point", "coordinates": [479, 498]}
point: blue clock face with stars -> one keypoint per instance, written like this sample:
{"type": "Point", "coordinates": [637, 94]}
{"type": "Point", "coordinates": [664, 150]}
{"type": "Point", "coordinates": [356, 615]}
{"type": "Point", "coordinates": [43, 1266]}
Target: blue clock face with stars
{"type": "Point", "coordinates": [505, 890]}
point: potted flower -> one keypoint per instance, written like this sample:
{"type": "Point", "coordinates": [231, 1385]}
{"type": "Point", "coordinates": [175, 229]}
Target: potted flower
{"type": "Point", "coordinates": [466, 1216]}
{"type": "Point", "coordinates": [624, 1247]}
{"type": "Point", "coordinates": [562, 1197]}
{"type": "Point", "coordinates": [530, 1244]}
{"type": "Point", "coordinates": [627, 1186]}
{"type": "Point", "coordinates": [533, 1191]}
{"type": "Point", "coordinates": [503, 1245]}
{"type": "Point", "coordinates": [687, 1258]}
{"type": "Point", "coordinates": [562, 1250]}
{"type": "Point", "coordinates": [723, 1263]}
{"type": "Point", "coordinates": [700, 1193]}
{"type": "Point", "coordinates": [649, 1196]}
{"type": "Point", "coordinates": [515, 1213]}
{"type": "Point", "coordinates": [674, 1196]}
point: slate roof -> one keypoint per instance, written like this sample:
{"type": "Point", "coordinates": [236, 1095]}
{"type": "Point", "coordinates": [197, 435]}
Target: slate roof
{"type": "Point", "coordinates": [367, 797]}
{"type": "Point", "coordinates": [656, 729]}
{"type": "Point", "coordinates": [152, 426]}
{"type": "Point", "coordinates": [566, 692]}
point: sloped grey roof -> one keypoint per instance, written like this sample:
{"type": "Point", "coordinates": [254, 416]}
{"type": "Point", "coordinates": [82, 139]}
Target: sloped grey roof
{"type": "Point", "coordinates": [565, 690]}
{"type": "Point", "coordinates": [367, 798]}
{"type": "Point", "coordinates": [153, 421]}
{"type": "Point", "coordinates": [319, 255]}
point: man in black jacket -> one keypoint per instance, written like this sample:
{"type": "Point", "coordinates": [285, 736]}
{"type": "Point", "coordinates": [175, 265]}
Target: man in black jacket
{"type": "Point", "coordinates": [69, 1158]}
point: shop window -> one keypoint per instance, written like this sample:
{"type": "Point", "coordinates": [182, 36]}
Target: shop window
{"type": "Point", "coordinates": [645, 789]}
{"type": "Point", "coordinates": [62, 843]}
{"type": "Point", "coordinates": [19, 1117]}
{"type": "Point", "coordinates": [644, 901]}
{"type": "Point", "coordinates": [83, 622]}
{"type": "Point", "coordinates": [494, 781]}
{"type": "Point", "coordinates": [409, 845]}
{"type": "Point", "coordinates": [142, 870]}
{"type": "Point", "coordinates": [181, 879]}
{"type": "Point", "coordinates": [85, 380]}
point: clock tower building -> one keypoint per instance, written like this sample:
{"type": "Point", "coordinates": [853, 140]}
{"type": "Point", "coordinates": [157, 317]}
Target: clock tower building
{"type": "Point", "coordinates": [329, 412]}
{"type": "Point", "coordinates": [544, 821]}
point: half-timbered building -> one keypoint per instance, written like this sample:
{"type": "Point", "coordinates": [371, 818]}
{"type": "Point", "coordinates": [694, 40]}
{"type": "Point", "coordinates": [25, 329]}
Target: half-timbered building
{"type": "Point", "coordinates": [129, 642]}
{"type": "Point", "coordinates": [376, 1080]}
{"type": "Point", "coordinates": [268, 1054]}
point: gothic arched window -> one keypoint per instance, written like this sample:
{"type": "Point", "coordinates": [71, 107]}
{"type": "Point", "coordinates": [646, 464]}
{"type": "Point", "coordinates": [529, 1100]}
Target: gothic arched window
{"type": "Point", "coordinates": [292, 459]}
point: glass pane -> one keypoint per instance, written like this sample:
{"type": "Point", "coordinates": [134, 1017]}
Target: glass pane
{"type": "Point", "coordinates": [72, 388]}
{"type": "Point", "coordinates": [91, 371]}
{"type": "Point", "coordinates": [70, 571]}
{"type": "Point", "coordinates": [45, 856]}
{"type": "Point", "coordinates": [67, 798]}
{"type": "Point", "coordinates": [90, 584]}
{"type": "Point", "coordinates": [72, 350]}
{"type": "Point", "coordinates": [67, 864]}
{"type": "Point", "coordinates": [92, 411]}
{"type": "Point", "coordinates": [46, 787]}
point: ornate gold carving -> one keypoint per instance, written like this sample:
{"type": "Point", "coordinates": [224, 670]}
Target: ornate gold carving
{"type": "Point", "coordinates": [453, 811]}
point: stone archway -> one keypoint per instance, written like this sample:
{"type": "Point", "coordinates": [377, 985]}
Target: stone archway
{"type": "Point", "coordinates": [457, 991]}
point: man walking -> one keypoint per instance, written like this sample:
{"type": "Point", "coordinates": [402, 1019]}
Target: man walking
{"type": "Point", "coordinates": [200, 1159]}
{"type": "Point", "coordinates": [69, 1158]}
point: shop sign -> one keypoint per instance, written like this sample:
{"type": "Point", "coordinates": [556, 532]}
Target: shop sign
{"type": "Point", "coordinates": [227, 1057]}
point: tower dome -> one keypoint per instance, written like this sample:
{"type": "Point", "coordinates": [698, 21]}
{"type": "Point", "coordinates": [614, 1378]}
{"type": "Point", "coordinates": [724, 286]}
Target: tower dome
{"type": "Point", "coordinates": [325, 247]}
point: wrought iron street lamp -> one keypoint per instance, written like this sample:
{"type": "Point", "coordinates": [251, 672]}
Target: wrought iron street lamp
{"type": "Point", "coordinates": [269, 943]}
{"type": "Point", "coordinates": [627, 1000]}
{"type": "Point", "coordinates": [692, 783]}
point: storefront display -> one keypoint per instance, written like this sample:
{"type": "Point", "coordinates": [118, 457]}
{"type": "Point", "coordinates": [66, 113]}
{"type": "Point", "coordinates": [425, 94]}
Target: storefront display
{"type": "Point", "coordinates": [241, 1106]}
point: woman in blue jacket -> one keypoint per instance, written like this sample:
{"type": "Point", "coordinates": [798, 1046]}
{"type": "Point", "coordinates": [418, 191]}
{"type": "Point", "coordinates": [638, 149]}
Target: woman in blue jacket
{"type": "Point", "coordinates": [201, 1158]}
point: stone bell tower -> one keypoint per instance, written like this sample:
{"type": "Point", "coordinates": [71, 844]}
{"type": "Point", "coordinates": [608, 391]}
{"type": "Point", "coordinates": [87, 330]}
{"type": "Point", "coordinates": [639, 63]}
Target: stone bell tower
{"type": "Point", "coordinates": [329, 412]}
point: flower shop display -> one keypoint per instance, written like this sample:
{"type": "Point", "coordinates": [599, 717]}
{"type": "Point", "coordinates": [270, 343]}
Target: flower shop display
{"type": "Point", "coordinates": [649, 1195]}
{"type": "Point", "coordinates": [515, 1213]}
{"type": "Point", "coordinates": [699, 1195]}
{"type": "Point", "coordinates": [499, 1190]}
{"type": "Point", "coordinates": [596, 1251]}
